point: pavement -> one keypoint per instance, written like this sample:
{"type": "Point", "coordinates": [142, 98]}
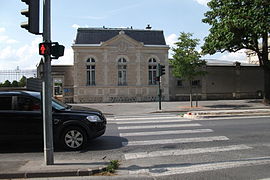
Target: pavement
{"type": "Point", "coordinates": [35, 168]}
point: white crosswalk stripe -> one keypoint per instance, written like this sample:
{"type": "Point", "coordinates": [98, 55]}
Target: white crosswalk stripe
{"type": "Point", "coordinates": [158, 126]}
{"type": "Point", "coordinates": [147, 118]}
{"type": "Point", "coordinates": [170, 141]}
{"type": "Point", "coordinates": [185, 151]}
{"type": "Point", "coordinates": [166, 132]}
{"type": "Point", "coordinates": [203, 167]}
{"type": "Point", "coordinates": [148, 129]}
{"type": "Point", "coordinates": [151, 121]}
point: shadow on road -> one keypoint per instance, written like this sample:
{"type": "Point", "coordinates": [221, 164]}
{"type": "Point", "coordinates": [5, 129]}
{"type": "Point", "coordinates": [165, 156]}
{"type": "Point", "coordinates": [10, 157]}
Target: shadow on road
{"type": "Point", "coordinates": [105, 143]}
{"type": "Point", "coordinates": [101, 143]}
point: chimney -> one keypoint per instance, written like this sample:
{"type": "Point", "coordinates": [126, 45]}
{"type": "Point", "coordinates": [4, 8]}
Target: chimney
{"type": "Point", "coordinates": [148, 26]}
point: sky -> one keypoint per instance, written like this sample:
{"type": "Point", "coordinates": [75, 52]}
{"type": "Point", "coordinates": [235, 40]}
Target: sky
{"type": "Point", "coordinates": [19, 48]}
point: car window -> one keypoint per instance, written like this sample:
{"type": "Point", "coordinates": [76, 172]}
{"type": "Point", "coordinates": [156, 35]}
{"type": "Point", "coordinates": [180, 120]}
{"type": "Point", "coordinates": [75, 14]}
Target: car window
{"type": "Point", "coordinates": [24, 103]}
{"type": "Point", "coordinates": [58, 104]}
{"type": "Point", "coordinates": [5, 103]}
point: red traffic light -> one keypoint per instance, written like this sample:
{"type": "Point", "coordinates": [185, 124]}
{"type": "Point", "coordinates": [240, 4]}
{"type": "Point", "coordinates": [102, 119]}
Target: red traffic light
{"type": "Point", "coordinates": [44, 48]}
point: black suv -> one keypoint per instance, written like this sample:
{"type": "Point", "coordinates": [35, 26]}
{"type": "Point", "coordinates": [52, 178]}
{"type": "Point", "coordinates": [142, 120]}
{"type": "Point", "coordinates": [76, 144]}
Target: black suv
{"type": "Point", "coordinates": [21, 119]}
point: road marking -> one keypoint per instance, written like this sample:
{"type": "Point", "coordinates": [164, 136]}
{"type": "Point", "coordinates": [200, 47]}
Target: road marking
{"type": "Point", "coordinates": [166, 132]}
{"type": "Point", "coordinates": [180, 152]}
{"type": "Point", "coordinates": [229, 118]}
{"type": "Point", "coordinates": [201, 167]}
{"type": "Point", "coordinates": [154, 121]}
{"type": "Point", "coordinates": [173, 141]}
{"type": "Point", "coordinates": [146, 118]}
{"type": "Point", "coordinates": [158, 126]}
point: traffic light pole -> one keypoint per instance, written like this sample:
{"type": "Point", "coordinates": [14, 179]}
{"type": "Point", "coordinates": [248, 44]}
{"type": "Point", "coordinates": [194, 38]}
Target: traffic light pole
{"type": "Point", "coordinates": [159, 94]}
{"type": "Point", "coordinates": [47, 88]}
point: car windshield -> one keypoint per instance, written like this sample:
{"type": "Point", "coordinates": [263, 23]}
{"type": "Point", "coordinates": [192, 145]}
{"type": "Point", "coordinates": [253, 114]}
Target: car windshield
{"type": "Point", "coordinates": [55, 103]}
{"type": "Point", "coordinates": [59, 105]}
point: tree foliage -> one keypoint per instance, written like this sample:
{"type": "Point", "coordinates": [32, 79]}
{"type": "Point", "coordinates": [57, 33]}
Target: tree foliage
{"type": "Point", "coordinates": [238, 24]}
{"type": "Point", "coordinates": [21, 83]}
{"type": "Point", "coordinates": [186, 59]}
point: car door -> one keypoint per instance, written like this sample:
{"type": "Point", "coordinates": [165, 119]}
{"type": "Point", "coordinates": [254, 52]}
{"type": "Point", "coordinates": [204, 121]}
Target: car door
{"type": "Point", "coordinates": [8, 128]}
{"type": "Point", "coordinates": [27, 114]}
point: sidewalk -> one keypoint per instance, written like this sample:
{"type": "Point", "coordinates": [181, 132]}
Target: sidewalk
{"type": "Point", "coordinates": [18, 168]}
{"type": "Point", "coordinates": [139, 108]}
{"type": "Point", "coordinates": [37, 168]}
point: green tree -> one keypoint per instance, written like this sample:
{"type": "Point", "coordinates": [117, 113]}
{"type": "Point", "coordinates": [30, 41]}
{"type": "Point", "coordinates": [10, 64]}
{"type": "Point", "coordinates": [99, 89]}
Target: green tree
{"type": "Point", "coordinates": [7, 83]}
{"type": "Point", "coordinates": [186, 60]}
{"type": "Point", "coordinates": [15, 83]}
{"type": "Point", "coordinates": [240, 24]}
{"type": "Point", "coordinates": [22, 82]}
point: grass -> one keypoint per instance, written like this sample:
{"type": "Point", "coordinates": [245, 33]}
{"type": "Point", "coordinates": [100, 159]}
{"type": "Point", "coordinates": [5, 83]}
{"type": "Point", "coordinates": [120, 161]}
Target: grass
{"type": "Point", "coordinates": [110, 169]}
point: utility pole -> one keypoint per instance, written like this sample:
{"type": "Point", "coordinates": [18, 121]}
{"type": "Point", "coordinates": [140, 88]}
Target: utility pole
{"type": "Point", "coordinates": [47, 88]}
{"type": "Point", "coordinates": [160, 72]}
{"type": "Point", "coordinates": [159, 94]}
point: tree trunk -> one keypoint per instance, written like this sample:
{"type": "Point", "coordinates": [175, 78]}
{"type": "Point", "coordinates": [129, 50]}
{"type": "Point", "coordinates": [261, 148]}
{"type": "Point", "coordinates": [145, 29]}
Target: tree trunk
{"type": "Point", "coordinates": [190, 93]}
{"type": "Point", "coordinates": [266, 93]}
{"type": "Point", "coordinates": [266, 67]}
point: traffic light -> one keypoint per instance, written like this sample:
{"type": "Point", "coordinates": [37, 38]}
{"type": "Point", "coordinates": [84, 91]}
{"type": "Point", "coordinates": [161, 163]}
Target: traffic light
{"type": "Point", "coordinates": [57, 50]}
{"type": "Point", "coordinates": [45, 49]}
{"type": "Point", "coordinates": [32, 13]}
{"type": "Point", "coordinates": [53, 49]}
{"type": "Point", "coordinates": [161, 70]}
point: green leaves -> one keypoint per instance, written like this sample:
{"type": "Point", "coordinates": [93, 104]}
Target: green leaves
{"type": "Point", "coordinates": [236, 24]}
{"type": "Point", "coordinates": [186, 60]}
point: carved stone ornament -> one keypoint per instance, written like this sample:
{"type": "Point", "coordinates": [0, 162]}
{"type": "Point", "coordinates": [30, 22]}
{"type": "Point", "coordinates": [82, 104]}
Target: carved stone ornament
{"type": "Point", "coordinates": [122, 46]}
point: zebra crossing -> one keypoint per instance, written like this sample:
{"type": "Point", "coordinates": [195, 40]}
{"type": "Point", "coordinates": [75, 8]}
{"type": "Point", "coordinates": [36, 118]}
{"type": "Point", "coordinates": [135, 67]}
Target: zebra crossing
{"type": "Point", "coordinates": [166, 129]}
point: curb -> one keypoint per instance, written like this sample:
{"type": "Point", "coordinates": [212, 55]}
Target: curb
{"type": "Point", "coordinates": [59, 173]}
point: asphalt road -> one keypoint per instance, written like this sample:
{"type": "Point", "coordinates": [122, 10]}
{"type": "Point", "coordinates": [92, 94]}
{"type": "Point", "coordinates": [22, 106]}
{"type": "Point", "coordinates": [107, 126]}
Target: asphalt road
{"type": "Point", "coordinates": [165, 146]}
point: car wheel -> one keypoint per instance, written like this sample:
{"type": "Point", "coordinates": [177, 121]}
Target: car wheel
{"type": "Point", "coordinates": [74, 138]}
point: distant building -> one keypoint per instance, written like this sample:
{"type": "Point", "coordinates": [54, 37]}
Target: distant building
{"type": "Point", "coordinates": [120, 65]}
{"type": "Point", "coordinates": [224, 80]}
{"type": "Point", "coordinates": [252, 56]}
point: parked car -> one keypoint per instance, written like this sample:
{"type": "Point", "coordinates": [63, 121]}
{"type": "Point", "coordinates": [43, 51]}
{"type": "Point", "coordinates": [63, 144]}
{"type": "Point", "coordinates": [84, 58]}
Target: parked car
{"type": "Point", "coordinates": [21, 119]}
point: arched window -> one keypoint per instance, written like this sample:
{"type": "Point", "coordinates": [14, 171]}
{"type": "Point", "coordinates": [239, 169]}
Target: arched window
{"type": "Point", "coordinates": [152, 71]}
{"type": "Point", "coordinates": [122, 72]}
{"type": "Point", "coordinates": [90, 72]}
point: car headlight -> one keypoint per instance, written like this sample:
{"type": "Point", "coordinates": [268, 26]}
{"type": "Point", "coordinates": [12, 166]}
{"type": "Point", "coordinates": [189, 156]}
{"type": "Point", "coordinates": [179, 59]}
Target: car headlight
{"type": "Point", "coordinates": [94, 118]}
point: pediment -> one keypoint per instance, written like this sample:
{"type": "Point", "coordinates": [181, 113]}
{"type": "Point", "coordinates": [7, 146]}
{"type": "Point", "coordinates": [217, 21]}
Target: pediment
{"type": "Point", "coordinates": [122, 42]}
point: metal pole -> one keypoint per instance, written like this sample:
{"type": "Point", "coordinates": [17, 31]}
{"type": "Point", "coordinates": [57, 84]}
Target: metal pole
{"type": "Point", "coordinates": [159, 94]}
{"type": "Point", "coordinates": [47, 88]}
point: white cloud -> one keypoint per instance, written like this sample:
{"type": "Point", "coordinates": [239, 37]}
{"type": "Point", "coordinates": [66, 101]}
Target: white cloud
{"type": "Point", "coordinates": [237, 56]}
{"type": "Point", "coordinates": [4, 39]}
{"type": "Point", "coordinates": [2, 29]}
{"type": "Point", "coordinates": [25, 56]}
{"type": "Point", "coordinates": [67, 59]}
{"type": "Point", "coordinates": [171, 40]}
{"type": "Point", "coordinates": [202, 2]}
{"type": "Point", "coordinates": [6, 52]}
{"type": "Point", "coordinates": [76, 26]}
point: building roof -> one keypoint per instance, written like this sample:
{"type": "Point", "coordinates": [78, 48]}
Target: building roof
{"type": "Point", "coordinates": [217, 62]}
{"type": "Point", "coordinates": [98, 35]}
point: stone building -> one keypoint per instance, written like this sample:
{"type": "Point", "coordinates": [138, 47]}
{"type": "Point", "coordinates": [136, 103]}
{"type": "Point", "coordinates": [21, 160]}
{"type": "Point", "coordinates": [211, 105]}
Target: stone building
{"type": "Point", "coordinates": [223, 80]}
{"type": "Point", "coordinates": [118, 64]}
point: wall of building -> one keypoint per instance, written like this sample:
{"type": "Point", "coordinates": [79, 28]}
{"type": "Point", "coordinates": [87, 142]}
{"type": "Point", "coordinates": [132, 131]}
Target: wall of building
{"type": "Point", "coordinates": [223, 82]}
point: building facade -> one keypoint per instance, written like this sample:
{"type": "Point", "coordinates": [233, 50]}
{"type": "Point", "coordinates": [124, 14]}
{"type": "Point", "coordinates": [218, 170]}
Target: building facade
{"type": "Point", "coordinates": [118, 65]}
{"type": "Point", "coordinates": [223, 80]}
